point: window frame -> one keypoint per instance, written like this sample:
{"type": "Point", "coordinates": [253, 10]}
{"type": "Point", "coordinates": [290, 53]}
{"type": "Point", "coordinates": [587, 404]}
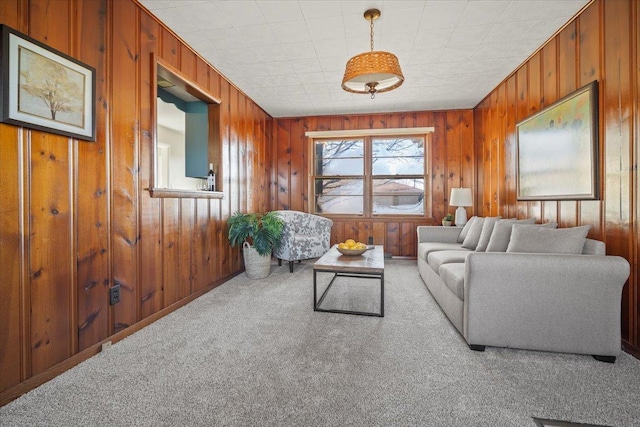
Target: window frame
{"type": "Point", "coordinates": [162, 69]}
{"type": "Point", "coordinates": [368, 136]}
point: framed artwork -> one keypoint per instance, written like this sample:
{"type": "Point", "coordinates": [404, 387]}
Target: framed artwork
{"type": "Point", "coordinates": [42, 88]}
{"type": "Point", "coordinates": [558, 149]}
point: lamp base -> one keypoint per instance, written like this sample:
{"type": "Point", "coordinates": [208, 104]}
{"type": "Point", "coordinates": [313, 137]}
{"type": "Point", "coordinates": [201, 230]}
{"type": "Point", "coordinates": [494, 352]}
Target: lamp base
{"type": "Point", "coordinates": [461, 216]}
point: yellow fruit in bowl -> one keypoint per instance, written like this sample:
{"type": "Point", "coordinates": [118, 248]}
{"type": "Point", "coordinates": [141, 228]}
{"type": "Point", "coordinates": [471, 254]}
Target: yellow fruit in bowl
{"type": "Point", "coordinates": [360, 245]}
{"type": "Point", "coordinates": [350, 242]}
{"type": "Point", "coordinates": [343, 246]}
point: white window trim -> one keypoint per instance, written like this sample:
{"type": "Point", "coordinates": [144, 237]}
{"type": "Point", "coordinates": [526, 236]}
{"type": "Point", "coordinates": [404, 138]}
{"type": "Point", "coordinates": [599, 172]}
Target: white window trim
{"type": "Point", "coordinates": [368, 132]}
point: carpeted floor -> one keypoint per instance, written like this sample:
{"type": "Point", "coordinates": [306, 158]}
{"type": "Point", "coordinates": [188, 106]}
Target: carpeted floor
{"type": "Point", "coordinates": [255, 353]}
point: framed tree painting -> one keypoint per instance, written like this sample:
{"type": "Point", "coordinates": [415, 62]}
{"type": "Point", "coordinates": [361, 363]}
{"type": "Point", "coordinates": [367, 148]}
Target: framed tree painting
{"type": "Point", "coordinates": [558, 149]}
{"type": "Point", "coordinates": [42, 88]}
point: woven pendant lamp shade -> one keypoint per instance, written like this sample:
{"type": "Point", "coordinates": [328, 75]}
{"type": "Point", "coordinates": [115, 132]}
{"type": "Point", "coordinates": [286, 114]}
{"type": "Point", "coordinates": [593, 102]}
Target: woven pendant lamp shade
{"type": "Point", "coordinates": [379, 68]}
{"type": "Point", "coordinates": [372, 72]}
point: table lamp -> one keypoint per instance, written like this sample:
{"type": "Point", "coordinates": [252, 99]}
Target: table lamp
{"type": "Point", "coordinates": [460, 197]}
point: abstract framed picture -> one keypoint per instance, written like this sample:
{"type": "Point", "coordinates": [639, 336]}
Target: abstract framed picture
{"type": "Point", "coordinates": [44, 89]}
{"type": "Point", "coordinates": [557, 148]}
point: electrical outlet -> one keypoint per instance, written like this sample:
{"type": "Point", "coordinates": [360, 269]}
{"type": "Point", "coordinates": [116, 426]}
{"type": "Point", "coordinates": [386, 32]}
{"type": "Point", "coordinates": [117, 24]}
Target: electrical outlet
{"type": "Point", "coordinates": [371, 240]}
{"type": "Point", "coordinates": [114, 295]}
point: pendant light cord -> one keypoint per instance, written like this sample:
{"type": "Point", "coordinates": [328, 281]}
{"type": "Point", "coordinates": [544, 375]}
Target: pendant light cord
{"type": "Point", "coordinates": [371, 25]}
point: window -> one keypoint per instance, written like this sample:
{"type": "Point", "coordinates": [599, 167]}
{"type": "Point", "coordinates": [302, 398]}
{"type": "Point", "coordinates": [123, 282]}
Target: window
{"type": "Point", "coordinates": [370, 175]}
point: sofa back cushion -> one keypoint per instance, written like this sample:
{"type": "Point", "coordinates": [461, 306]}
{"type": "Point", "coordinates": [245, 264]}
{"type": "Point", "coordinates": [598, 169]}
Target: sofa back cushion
{"type": "Point", "coordinates": [529, 239]}
{"type": "Point", "coordinates": [465, 229]}
{"type": "Point", "coordinates": [594, 247]}
{"type": "Point", "coordinates": [501, 234]}
{"type": "Point", "coordinates": [485, 234]}
{"type": "Point", "coordinates": [471, 240]}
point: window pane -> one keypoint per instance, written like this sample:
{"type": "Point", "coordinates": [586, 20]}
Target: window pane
{"type": "Point", "coordinates": [398, 196]}
{"type": "Point", "coordinates": [395, 156]}
{"type": "Point", "coordinates": [339, 196]}
{"type": "Point", "coordinates": [339, 157]}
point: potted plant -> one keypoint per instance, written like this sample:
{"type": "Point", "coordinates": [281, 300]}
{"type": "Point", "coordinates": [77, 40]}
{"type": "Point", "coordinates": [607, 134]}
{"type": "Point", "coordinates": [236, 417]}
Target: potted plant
{"type": "Point", "coordinates": [258, 234]}
{"type": "Point", "coordinates": [447, 220]}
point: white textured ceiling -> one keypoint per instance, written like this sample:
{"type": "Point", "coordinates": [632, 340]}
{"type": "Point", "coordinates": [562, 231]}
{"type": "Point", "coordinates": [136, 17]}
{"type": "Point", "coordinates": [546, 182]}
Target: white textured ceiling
{"type": "Point", "coordinates": [289, 56]}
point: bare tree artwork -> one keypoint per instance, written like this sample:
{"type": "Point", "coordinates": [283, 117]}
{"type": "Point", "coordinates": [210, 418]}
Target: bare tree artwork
{"type": "Point", "coordinates": [59, 87]}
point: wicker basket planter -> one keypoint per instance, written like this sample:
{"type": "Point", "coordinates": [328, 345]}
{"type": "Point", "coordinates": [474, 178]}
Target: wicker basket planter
{"type": "Point", "coordinates": [258, 235]}
{"type": "Point", "coordinates": [256, 266]}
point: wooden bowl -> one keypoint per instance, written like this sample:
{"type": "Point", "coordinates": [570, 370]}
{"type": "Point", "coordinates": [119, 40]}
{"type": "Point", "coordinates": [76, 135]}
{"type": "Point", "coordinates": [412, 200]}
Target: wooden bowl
{"type": "Point", "coordinates": [352, 252]}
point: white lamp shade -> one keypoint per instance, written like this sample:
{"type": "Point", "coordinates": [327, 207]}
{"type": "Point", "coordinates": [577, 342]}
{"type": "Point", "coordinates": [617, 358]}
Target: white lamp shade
{"type": "Point", "coordinates": [460, 197]}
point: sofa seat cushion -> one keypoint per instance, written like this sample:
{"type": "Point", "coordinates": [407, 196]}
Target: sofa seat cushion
{"type": "Point", "coordinates": [439, 258]}
{"type": "Point", "coordinates": [453, 277]}
{"type": "Point", "coordinates": [424, 249]}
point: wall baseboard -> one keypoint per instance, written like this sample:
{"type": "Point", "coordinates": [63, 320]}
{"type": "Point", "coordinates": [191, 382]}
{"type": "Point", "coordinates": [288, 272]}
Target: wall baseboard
{"type": "Point", "coordinates": [631, 349]}
{"type": "Point", "coordinates": [41, 378]}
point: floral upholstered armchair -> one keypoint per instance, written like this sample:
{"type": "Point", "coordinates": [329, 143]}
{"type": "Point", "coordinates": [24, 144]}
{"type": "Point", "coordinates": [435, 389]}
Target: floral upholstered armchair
{"type": "Point", "coordinates": [304, 236]}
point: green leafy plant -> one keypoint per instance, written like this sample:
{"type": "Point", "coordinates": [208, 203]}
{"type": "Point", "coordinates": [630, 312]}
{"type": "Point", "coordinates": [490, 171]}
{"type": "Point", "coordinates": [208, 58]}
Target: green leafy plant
{"type": "Point", "coordinates": [448, 217]}
{"type": "Point", "coordinates": [263, 232]}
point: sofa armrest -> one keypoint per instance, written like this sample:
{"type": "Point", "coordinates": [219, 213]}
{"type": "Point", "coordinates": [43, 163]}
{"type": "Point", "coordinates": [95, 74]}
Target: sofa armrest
{"type": "Point", "coordinates": [429, 233]}
{"type": "Point", "coordinates": [549, 302]}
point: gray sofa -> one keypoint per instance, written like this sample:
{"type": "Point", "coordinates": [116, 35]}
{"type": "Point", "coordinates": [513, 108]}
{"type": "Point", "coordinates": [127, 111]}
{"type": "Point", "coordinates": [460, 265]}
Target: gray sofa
{"type": "Point", "coordinates": [549, 301]}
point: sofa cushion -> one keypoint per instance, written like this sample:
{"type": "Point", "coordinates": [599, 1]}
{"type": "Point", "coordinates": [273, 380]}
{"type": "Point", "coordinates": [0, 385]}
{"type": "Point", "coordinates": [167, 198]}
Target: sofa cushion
{"type": "Point", "coordinates": [465, 229]}
{"type": "Point", "coordinates": [594, 247]}
{"type": "Point", "coordinates": [485, 234]}
{"type": "Point", "coordinates": [424, 249]}
{"type": "Point", "coordinates": [544, 240]}
{"type": "Point", "coordinates": [439, 258]}
{"type": "Point", "coordinates": [471, 240]}
{"type": "Point", "coordinates": [453, 277]}
{"type": "Point", "coordinates": [499, 240]}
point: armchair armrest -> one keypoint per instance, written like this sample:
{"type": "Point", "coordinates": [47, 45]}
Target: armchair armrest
{"type": "Point", "coordinates": [429, 233]}
{"type": "Point", "coordinates": [551, 302]}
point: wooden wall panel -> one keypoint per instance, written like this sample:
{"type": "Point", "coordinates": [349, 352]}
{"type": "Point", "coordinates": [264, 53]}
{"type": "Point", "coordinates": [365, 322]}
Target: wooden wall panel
{"type": "Point", "coordinates": [174, 288]}
{"type": "Point", "coordinates": [91, 213]}
{"type": "Point", "coordinates": [76, 217]}
{"type": "Point", "coordinates": [14, 349]}
{"type": "Point", "coordinates": [617, 123]}
{"type": "Point", "coordinates": [522, 108]}
{"type": "Point", "coordinates": [150, 244]}
{"type": "Point", "coordinates": [634, 285]}
{"type": "Point", "coordinates": [600, 44]}
{"type": "Point", "coordinates": [588, 71]}
{"type": "Point", "coordinates": [234, 166]}
{"type": "Point", "coordinates": [12, 261]}
{"type": "Point", "coordinates": [124, 143]}
{"type": "Point", "coordinates": [549, 95]}
{"type": "Point", "coordinates": [567, 76]}
{"type": "Point", "coordinates": [451, 163]}
{"type": "Point", "coordinates": [50, 189]}
{"type": "Point", "coordinates": [224, 260]}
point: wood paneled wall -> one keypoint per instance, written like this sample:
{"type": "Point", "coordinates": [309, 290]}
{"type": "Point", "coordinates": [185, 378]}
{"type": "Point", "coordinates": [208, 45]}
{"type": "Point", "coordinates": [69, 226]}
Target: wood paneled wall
{"type": "Point", "coordinates": [75, 216]}
{"type": "Point", "coordinates": [602, 43]}
{"type": "Point", "coordinates": [452, 163]}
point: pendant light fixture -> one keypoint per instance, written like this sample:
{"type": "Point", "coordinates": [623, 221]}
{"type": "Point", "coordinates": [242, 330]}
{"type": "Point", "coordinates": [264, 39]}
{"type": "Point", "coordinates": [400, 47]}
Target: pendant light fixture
{"type": "Point", "coordinates": [372, 72]}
